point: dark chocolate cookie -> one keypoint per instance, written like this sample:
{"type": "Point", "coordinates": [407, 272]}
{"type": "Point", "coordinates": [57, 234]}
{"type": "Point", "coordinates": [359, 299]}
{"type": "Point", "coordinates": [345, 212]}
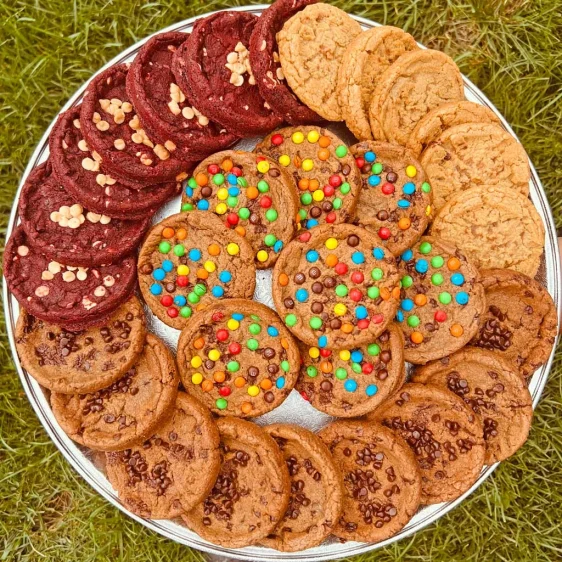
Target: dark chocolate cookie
{"type": "Point", "coordinates": [212, 68]}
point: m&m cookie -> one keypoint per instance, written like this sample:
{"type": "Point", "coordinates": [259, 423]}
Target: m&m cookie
{"type": "Point", "coordinates": [238, 358]}
{"type": "Point", "coordinates": [252, 195]}
{"type": "Point", "coordinates": [353, 382]}
{"type": "Point", "coordinates": [189, 261]}
{"type": "Point", "coordinates": [335, 287]}
{"type": "Point", "coordinates": [395, 200]}
{"type": "Point", "coordinates": [441, 300]}
{"type": "Point", "coordinates": [324, 170]}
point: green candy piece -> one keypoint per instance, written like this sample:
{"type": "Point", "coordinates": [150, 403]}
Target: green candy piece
{"type": "Point", "coordinates": [290, 320]}
{"type": "Point", "coordinates": [437, 279]}
{"type": "Point", "coordinates": [233, 366]}
{"type": "Point", "coordinates": [425, 247]}
{"type": "Point", "coordinates": [377, 168]}
{"type": "Point", "coordinates": [445, 298]}
{"type": "Point", "coordinates": [192, 183]}
{"type": "Point", "coordinates": [244, 213]}
{"type": "Point", "coordinates": [185, 312]}
{"type": "Point", "coordinates": [311, 371]}
{"type": "Point", "coordinates": [285, 366]}
{"type": "Point", "coordinates": [337, 203]}
{"type": "Point", "coordinates": [193, 298]}
{"type": "Point", "coordinates": [255, 329]}
{"type": "Point", "coordinates": [232, 201]}
{"type": "Point", "coordinates": [271, 215]}
{"type": "Point", "coordinates": [252, 344]}
{"type": "Point", "coordinates": [407, 281]}
{"type": "Point", "coordinates": [373, 349]}
{"type": "Point", "coordinates": [306, 198]}
{"type": "Point", "coordinates": [270, 240]}
{"type": "Point", "coordinates": [199, 289]}
{"type": "Point", "coordinates": [355, 367]}
{"type": "Point", "coordinates": [187, 207]}
{"type": "Point", "coordinates": [345, 188]}
{"type": "Point", "coordinates": [221, 404]}
{"type": "Point", "coordinates": [255, 317]}
{"type": "Point", "coordinates": [377, 274]}
{"type": "Point", "coordinates": [179, 250]}
{"type": "Point", "coordinates": [302, 214]}
{"type": "Point", "coordinates": [341, 374]}
{"type": "Point", "coordinates": [164, 247]}
{"type": "Point", "coordinates": [413, 321]}
{"type": "Point", "coordinates": [426, 188]}
{"type": "Point", "coordinates": [218, 179]}
{"type": "Point", "coordinates": [342, 291]}
{"type": "Point", "coordinates": [437, 261]}
{"type": "Point", "coordinates": [242, 182]}
{"type": "Point", "coordinates": [373, 292]}
{"type": "Point", "coordinates": [341, 151]}
{"type": "Point", "coordinates": [315, 323]}
{"type": "Point", "coordinates": [263, 186]}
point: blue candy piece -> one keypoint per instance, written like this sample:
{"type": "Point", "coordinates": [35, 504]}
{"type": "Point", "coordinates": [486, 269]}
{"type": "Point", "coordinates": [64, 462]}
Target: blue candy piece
{"type": "Point", "coordinates": [322, 341]}
{"type": "Point", "coordinates": [180, 300]}
{"type": "Point", "coordinates": [301, 295]}
{"type": "Point", "coordinates": [159, 274]}
{"type": "Point", "coordinates": [407, 255]}
{"type": "Point", "coordinates": [457, 279]}
{"type": "Point", "coordinates": [371, 390]}
{"type": "Point", "coordinates": [407, 305]}
{"type": "Point", "coordinates": [409, 188]}
{"type": "Point", "coordinates": [217, 291]}
{"type": "Point", "coordinates": [403, 204]}
{"type": "Point", "coordinates": [189, 191]}
{"type": "Point", "coordinates": [374, 180]}
{"type": "Point", "coordinates": [370, 156]}
{"type": "Point", "coordinates": [167, 265]}
{"type": "Point", "coordinates": [350, 385]}
{"type": "Point", "coordinates": [356, 356]}
{"type": "Point", "coordinates": [421, 266]}
{"type": "Point", "coordinates": [272, 331]}
{"type": "Point", "coordinates": [233, 191]}
{"type": "Point", "coordinates": [280, 383]}
{"type": "Point", "coordinates": [194, 254]}
{"type": "Point", "coordinates": [399, 316]}
{"type": "Point", "coordinates": [232, 180]}
{"type": "Point", "coordinates": [225, 276]}
{"type": "Point", "coordinates": [378, 253]}
{"type": "Point", "coordinates": [203, 205]}
{"type": "Point", "coordinates": [278, 246]}
{"type": "Point", "coordinates": [156, 289]}
{"type": "Point", "coordinates": [312, 256]}
{"type": "Point", "coordinates": [358, 257]}
{"type": "Point", "coordinates": [238, 316]}
{"type": "Point", "coordinates": [311, 223]}
{"type": "Point", "coordinates": [361, 312]}
{"type": "Point", "coordinates": [462, 298]}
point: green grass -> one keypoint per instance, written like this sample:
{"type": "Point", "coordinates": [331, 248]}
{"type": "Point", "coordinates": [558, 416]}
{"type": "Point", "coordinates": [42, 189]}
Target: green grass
{"type": "Point", "coordinates": [511, 49]}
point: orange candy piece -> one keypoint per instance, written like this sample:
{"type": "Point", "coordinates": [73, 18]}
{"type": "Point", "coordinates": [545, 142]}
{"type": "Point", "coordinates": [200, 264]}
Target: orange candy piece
{"type": "Point", "coordinates": [284, 343]}
{"type": "Point", "coordinates": [199, 343]}
{"type": "Point", "coordinates": [323, 154]}
{"type": "Point", "coordinates": [246, 408]}
{"type": "Point", "coordinates": [239, 382]}
{"type": "Point", "coordinates": [385, 293]}
{"type": "Point", "coordinates": [457, 330]}
{"type": "Point", "coordinates": [326, 366]}
{"type": "Point", "coordinates": [331, 260]}
{"type": "Point", "coordinates": [202, 273]}
{"type": "Point", "coordinates": [324, 141]}
{"type": "Point", "coordinates": [453, 264]}
{"type": "Point", "coordinates": [420, 300]}
{"type": "Point", "coordinates": [181, 234]}
{"type": "Point", "coordinates": [207, 386]}
{"type": "Point", "coordinates": [396, 293]}
{"type": "Point", "coordinates": [252, 192]}
{"type": "Point", "coordinates": [313, 185]}
{"type": "Point", "coordinates": [201, 179]}
{"type": "Point", "coordinates": [214, 250]}
{"type": "Point", "coordinates": [303, 184]}
{"type": "Point", "coordinates": [404, 223]}
{"type": "Point", "coordinates": [168, 232]}
{"type": "Point", "coordinates": [266, 384]}
{"type": "Point", "coordinates": [240, 230]}
{"type": "Point", "coordinates": [219, 376]}
{"type": "Point", "coordinates": [283, 279]}
{"type": "Point", "coordinates": [227, 165]}
{"type": "Point", "coordinates": [347, 328]}
{"type": "Point", "coordinates": [416, 337]}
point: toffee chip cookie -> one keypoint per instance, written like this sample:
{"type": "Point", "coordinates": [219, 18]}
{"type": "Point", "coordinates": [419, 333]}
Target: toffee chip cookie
{"type": "Point", "coordinates": [266, 66]}
{"type": "Point", "coordinates": [445, 435]}
{"type": "Point", "coordinates": [238, 358]}
{"type": "Point", "coordinates": [188, 261]}
{"type": "Point", "coordinates": [251, 493]}
{"type": "Point", "coordinates": [475, 155]}
{"type": "Point", "coordinates": [312, 44]}
{"type": "Point", "coordinates": [162, 107]}
{"type": "Point", "coordinates": [416, 83]}
{"type": "Point", "coordinates": [494, 390]}
{"type": "Point", "coordinates": [316, 490]}
{"type": "Point", "coordinates": [495, 226]}
{"type": "Point", "coordinates": [353, 382]}
{"type": "Point", "coordinates": [112, 128]}
{"type": "Point", "coordinates": [172, 471]}
{"type": "Point", "coordinates": [127, 412]}
{"type": "Point", "coordinates": [68, 295]}
{"type": "Point", "coordinates": [382, 484]}
{"type": "Point", "coordinates": [335, 287]}
{"type": "Point", "coordinates": [395, 200]}
{"type": "Point", "coordinates": [66, 232]}
{"type": "Point", "coordinates": [442, 300]}
{"type": "Point", "coordinates": [445, 116]}
{"type": "Point", "coordinates": [520, 322]}
{"type": "Point", "coordinates": [252, 195]}
{"type": "Point", "coordinates": [81, 173]}
{"type": "Point", "coordinates": [213, 70]}
{"type": "Point", "coordinates": [365, 60]}
{"type": "Point", "coordinates": [323, 170]}
{"type": "Point", "coordinates": [81, 362]}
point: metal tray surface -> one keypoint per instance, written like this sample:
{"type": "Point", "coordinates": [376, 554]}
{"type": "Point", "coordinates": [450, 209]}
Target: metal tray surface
{"type": "Point", "coordinates": [294, 409]}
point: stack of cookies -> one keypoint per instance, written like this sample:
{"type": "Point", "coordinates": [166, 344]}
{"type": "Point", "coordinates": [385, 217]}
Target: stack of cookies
{"type": "Point", "coordinates": [417, 244]}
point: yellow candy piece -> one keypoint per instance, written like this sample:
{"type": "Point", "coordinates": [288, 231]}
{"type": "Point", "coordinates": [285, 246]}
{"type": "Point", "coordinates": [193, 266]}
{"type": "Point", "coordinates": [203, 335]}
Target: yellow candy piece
{"type": "Point", "coordinates": [340, 309]}
{"type": "Point", "coordinates": [214, 354]}
{"type": "Point", "coordinates": [307, 165]}
{"type": "Point", "coordinates": [232, 249]}
{"type": "Point", "coordinates": [222, 194]}
{"type": "Point", "coordinates": [221, 209]}
{"type": "Point", "coordinates": [253, 390]}
{"type": "Point", "coordinates": [284, 160]}
{"type": "Point", "coordinates": [209, 266]}
{"type": "Point", "coordinates": [233, 324]}
{"type": "Point", "coordinates": [262, 256]}
{"type": "Point", "coordinates": [318, 195]}
{"type": "Point", "coordinates": [196, 362]}
{"type": "Point", "coordinates": [411, 171]}
{"type": "Point", "coordinates": [313, 136]}
{"type": "Point", "coordinates": [314, 352]}
{"type": "Point", "coordinates": [345, 355]}
{"type": "Point", "coordinates": [428, 210]}
{"type": "Point", "coordinates": [331, 243]}
{"type": "Point", "coordinates": [183, 270]}
{"type": "Point", "coordinates": [297, 137]}
{"type": "Point", "coordinates": [197, 378]}
{"type": "Point", "coordinates": [263, 166]}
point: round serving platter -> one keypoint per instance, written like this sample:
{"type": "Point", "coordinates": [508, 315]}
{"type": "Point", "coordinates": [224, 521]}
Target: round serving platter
{"type": "Point", "coordinates": [294, 409]}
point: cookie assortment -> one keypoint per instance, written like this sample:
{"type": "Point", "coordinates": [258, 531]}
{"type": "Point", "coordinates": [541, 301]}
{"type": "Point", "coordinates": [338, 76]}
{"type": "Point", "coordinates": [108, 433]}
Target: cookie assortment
{"type": "Point", "coordinates": [378, 250]}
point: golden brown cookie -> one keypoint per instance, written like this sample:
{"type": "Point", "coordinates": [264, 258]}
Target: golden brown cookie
{"type": "Point", "coordinates": [311, 47]}
{"type": "Point", "coordinates": [494, 390]}
{"type": "Point", "coordinates": [445, 435]}
{"type": "Point", "coordinates": [316, 490]}
{"type": "Point", "coordinates": [520, 322]}
{"type": "Point", "coordinates": [364, 61]}
{"type": "Point", "coordinates": [251, 493]}
{"type": "Point", "coordinates": [475, 155]}
{"type": "Point", "coordinates": [416, 83]}
{"type": "Point", "coordinates": [446, 116]}
{"type": "Point", "coordinates": [495, 227]}
{"type": "Point", "coordinates": [382, 483]}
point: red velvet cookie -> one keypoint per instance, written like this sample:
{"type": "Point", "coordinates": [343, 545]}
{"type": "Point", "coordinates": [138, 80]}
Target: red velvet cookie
{"type": "Point", "coordinates": [112, 128]}
{"type": "Point", "coordinates": [212, 68]}
{"type": "Point", "coordinates": [162, 107]}
{"type": "Point", "coordinates": [264, 59]}
{"type": "Point", "coordinates": [83, 176]}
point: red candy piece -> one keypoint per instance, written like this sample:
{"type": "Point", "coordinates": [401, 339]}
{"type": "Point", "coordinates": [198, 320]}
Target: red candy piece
{"type": "Point", "coordinates": [232, 219]}
{"type": "Point", "coordinates": [265, 202]}
{"type": "Point", "coordinates": [331, 217]}
{"type": "Point", "coordinates": [213, 169]}
{"type": "Point", "coordinates": [172, 312]}
{"type": "Point", "coordinates": [328, 190]}
{"type": "Point", "coordinates": [335, 180]}
{"type": "Point", "coordinates": [360, 161]}
{"type": "Point", "coordinates": [377, 318]}
{"type": "Point", "coordinates": [166, 300]}
{"type": "Point", "coordinates": [325, 352]}
{"type": "Point", "coordinates": [236, 171]}
{"type": "Point", "coordinates": [182, 281]}
{"type": "Point", "coordinates": [357, 277]}
{"type": "Point", "coordinates": [367, 368]}
{"type": "Point", "coordinates": [387, 188]}
{"type": "Point", "coordinates": [222, 335]}
{"type": "Point", "coordinates": [277, 140]}
{"type": "Point", "coordinates": [305, 237]}
{"type": "Point", "coordinates": [224, 391]}
{"type": "Point", "coordinates": [341, 268]}
{"type": "Point", "coordinates": [217, 316]}
{"type": "Point", "coordinates": [234, 348]}
{"type": "Point", "coordinates": [384, 233]}
{"type": "Point", "coordinates": [363, 324]}
{"type": "Point", "coordinates": [440, 316]}
{"type": "Point", "coordinates": [305, 396]}
{"type": "Point", "coordinates": [355, 295]}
